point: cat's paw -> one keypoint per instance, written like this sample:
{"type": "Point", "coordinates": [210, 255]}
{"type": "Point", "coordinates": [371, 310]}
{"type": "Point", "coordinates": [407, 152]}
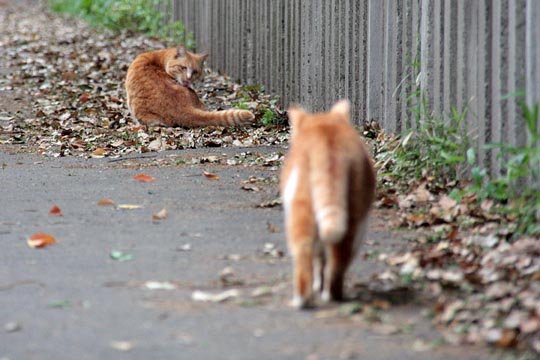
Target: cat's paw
{"type": "Point", "coordinates": [299, 302]}
{"type": "Point", "coordinates": [326, 297]}
{"type": "Point", "coordinates": [245, 117]}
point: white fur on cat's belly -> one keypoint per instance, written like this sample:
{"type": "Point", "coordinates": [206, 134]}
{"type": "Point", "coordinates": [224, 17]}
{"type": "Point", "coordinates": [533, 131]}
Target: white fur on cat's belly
{"type": "Point", "coordinates": [290, 190]}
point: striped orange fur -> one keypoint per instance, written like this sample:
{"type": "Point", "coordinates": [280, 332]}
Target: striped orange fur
{"type": "Point", "coordinates": [327, 186]}
{"type": "Point", "coordinates": [158, 86]}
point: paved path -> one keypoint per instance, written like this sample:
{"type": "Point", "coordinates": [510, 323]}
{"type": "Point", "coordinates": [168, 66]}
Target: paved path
{"type": "Point", "coordinates": [72, 301]}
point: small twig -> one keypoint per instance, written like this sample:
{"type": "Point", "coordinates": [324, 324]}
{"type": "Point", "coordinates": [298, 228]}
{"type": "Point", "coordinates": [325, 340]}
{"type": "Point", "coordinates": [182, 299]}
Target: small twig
{"type": "Point", "coordinates": [22, 282]}
{"type": "Point", "coordinates": [133, 158]}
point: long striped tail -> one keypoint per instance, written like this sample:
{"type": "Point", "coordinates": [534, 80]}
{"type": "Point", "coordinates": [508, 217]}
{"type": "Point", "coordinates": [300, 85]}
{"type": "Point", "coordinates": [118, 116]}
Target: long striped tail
{"type": "Point", "coordinates": [231, 117]}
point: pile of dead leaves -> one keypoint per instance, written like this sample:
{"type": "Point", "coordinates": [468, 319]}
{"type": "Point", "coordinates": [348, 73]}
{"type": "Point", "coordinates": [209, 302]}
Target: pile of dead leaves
{"type": "Point", "coordinates": [71, 76]}
{"type": "Point", "coordinates": [483, 278]}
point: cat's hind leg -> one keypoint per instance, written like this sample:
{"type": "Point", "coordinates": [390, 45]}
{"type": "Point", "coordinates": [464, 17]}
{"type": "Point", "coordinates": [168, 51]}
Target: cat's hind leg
{"type": "Point", "coordinates": [300, 240]}
{"type": "Point", "coordinates": [318, 267]}
{"type": "Point", "coordinates": [150, 119]}
{"type": "Point", "coordinates": [338, 258]}
{"type": "Point", "coordinates": [301, 232]}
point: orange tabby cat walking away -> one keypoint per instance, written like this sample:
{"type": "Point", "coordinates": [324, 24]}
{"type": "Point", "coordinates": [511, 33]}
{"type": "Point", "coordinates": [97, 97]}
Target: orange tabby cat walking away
{"type": "Point", "coordinates": [159, 92]}
{"type": "Point", "coordinates": [327, 186]}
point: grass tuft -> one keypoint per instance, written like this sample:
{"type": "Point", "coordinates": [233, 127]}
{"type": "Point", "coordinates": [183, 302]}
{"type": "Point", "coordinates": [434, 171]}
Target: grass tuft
{"type": "Point", "coordinates": [140, 16]}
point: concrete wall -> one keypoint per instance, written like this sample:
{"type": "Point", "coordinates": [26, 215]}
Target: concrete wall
{"type": "Point", "coordinates": [469, 53]}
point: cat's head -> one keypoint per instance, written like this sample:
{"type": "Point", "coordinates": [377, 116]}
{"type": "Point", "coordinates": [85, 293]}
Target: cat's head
{"type": "Point", "coordinates": [298, 117]}
{"type": "Point", "coordinates": [186, 67]}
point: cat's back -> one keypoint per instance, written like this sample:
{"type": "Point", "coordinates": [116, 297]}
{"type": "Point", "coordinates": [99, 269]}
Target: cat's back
{"type": "Point", "coordinates": [328, 144]}
{"type": "Point", "coordinates": [326, 133]}
{"type": "Point", "coordinates": [145, 64]}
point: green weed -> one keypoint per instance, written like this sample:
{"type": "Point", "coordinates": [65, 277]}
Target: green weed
{"type": "Point", "coordinates": [436, 147]}
{"type": "Point", "coordinates": [263, 106]}
{"type": "Point", "coordinates": [268, 118]}
{"type": "Point", "coordinates": [439, 148]}
{"type": "Point", "coordinates": [520, 166]}
{"type": "Point", "coordinates": [140, 16]}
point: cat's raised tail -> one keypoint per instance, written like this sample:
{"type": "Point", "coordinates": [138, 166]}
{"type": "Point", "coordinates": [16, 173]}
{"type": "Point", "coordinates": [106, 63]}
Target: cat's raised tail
{"type": "Point", "coordinates": [329, 184]}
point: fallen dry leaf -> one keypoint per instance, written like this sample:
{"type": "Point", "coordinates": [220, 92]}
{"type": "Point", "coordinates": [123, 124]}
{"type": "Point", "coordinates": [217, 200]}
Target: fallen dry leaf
{"type": "Point", "coordinates": [105, 202]}
{"type": "Point", "coordinates": [160, 215]}
{"type": "Point", "coordinates": [40, 240]}
{"type": "Point", "coordinates": [272, 228]}
{"type": "Point", "coordinates": [99, 153]}
{"type": "Point", "coordinates": [144, 178]}
{"type": "Point", "coordinates": [385, 329]}
{"type": "Point", "coordinates": [249, 187]}
{"type": "Point", "coordinates": [271, 250]}
{"type": "Point", "coordinates": [12, 327]}
{"type": "Point", "coordinates": [507, 339]}
{"type": "Point", "coordinates": [447, 203]}
{"type": "Point", "coordinates": [219, 297]}
{"type": "Point", "coordinates": [121, 345]}
{"type": "Point", "coordinates": [129, 206]}
{"type": "Point", "coordinates": [159, 285]}
{"type": "Point", "coordinates": [270, 203]}
{"type": "Point", "coordinates": [422, 194]}
{"type": "Point", "coordinates": [185, 247]}
{"type": "Point", "coordinates": [387, 200]}
{"type": "Point", "coordinates": [84, 97]}
{"type": "Point", "coordinates": [210, 176]}
{"type": "Point", "coordinates": [262, 291]}
{"type": "Point", "coordinates": [55, 211]}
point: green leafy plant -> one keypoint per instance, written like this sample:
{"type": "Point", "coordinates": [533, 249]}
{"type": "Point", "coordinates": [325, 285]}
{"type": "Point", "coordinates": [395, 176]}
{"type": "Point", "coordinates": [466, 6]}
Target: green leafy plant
{"type": "Point", "coordinates": [252, 97]}
{"type": "Point", "coordinates": [133, 15]}
{"type": "Point", "coordinates": [517, 186]}
{"type": "Point", "coordinates": [436, 147]}
{"type": "Point", "coordinates": [269, 117]}
{"type": "Point", "coordinates": [242, 105]}
{"type": "Point", "coordinates": [439, 148]}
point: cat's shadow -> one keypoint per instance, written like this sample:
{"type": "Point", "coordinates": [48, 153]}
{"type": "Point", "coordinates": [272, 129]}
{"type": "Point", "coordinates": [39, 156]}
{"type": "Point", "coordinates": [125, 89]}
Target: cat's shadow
{"type": "Point", "coordinates": [395, 295]}
{"type": "Point", "coordinates": [371, 294]}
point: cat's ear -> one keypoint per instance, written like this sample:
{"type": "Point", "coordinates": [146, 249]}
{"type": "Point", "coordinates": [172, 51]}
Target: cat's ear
{"type": "Point", "coordinates": [342, 107]}
{"type": "Point", "coordinates": [296, 114]}
{"type": "Point", "coordinates": [203, 57]}
{"type": "Point", "coordinates": [181, 51]}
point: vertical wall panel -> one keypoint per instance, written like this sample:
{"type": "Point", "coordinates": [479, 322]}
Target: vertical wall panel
{"type": "Point", "coordinates": [392, 65]}
{"type": "Point", "coordinates": [427, 51]}
{"type": "Point", "coordinates": [375, 51]}
{"type": "Point", "coordinates": [483, 98]}
{"type": "Point", "coordinates": [438, 57]}
{"type": "Point", "coordinates": [533, 62]}
{"type": "Point", "coordinates": [415, 54]}
{"type": "Point", "coordinates": [470, 98]}
{"type": "Point", "coordinates": [406, 75]}
{"type": "Point", "coordinates": [449, 56]}
{"type": "Point", "coordinates": [499, 75]}
{"type": "Point", "coordinates": [516, 69]}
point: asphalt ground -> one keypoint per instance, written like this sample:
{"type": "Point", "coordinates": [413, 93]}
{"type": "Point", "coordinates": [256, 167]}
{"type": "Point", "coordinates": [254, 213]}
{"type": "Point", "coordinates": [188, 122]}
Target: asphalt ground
{"type": "Point", "coordinates": [71, 300]}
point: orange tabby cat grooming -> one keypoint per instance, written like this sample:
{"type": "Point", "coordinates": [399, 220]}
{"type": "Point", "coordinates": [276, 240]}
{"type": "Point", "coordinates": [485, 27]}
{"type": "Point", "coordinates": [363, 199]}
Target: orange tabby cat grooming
{"type": "Point", "coordinates": [327, 186]}
{"type": "Point", "coordinates": [159, 92]}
